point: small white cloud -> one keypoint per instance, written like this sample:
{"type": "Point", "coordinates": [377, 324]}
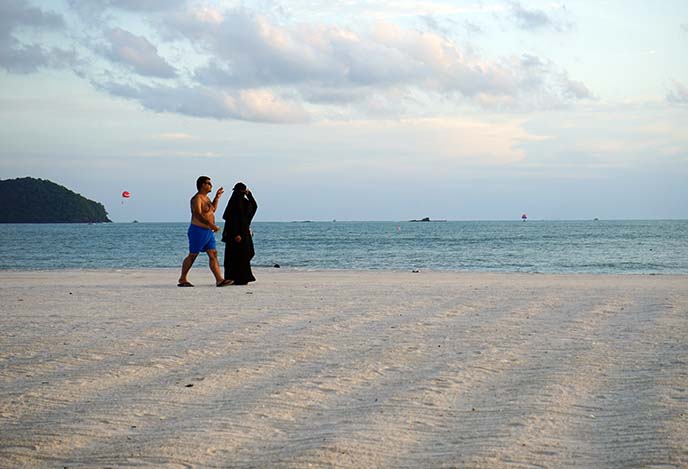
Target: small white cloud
{"type": "Point", "coordinates": [177, 154]}
{"type": "Point", "coordinates": [531, 61]}
{"type": "Point", "coordinates": [174, 136]}
{"type": "Point", "coordinates": [576, 89]}
{"type": "Point", "coordinates": [264, 106]}
{"type": "Point", "coordinates": [529, 19]}
{"type": "Point", "coordinates": [679, 95]}
{"type": "Point", "coordinates": [137, 53]}
{"type": "Point", "coordinates": [534, 19]}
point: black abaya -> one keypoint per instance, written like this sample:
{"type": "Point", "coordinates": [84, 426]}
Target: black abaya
{"type": "Point", "coordinates": [238, 254]}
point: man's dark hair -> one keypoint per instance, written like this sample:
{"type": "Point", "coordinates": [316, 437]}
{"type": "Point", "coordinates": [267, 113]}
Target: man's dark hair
{"type": "Point", "coordinates": [200, 181]}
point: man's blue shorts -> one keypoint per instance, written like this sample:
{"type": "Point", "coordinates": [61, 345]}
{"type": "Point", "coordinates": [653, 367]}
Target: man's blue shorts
{"type": "Point", "coordinates": [200, 239]}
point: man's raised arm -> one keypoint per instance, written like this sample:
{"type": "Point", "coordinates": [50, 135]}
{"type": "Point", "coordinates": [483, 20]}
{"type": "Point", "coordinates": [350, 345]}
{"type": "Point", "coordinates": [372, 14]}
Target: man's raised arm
{"type": "Point", "coordinates": [216, 199]}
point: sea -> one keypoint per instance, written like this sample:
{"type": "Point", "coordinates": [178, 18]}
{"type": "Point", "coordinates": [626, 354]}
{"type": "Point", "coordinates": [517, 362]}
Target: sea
{"type": "Point", "coordinates": [597, 247]}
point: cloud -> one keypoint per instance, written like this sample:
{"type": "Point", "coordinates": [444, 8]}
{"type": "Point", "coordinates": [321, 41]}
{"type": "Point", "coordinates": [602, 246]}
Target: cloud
{"type": "Point", "coordinates": [447, 26]}
{"type": "Point", "coordinates": [19, 57]}
{"type": "Point", "coordinates": [94, 6]}
{"type": "Point", "coordinates": [679, 95]}
{"type": "Point", "coordinates": [138, 54]}
{"type": "Point", "coordinates": [248, 50]}
{"type": "Point", "coordinates": [237, 63]}
{"type": "Point", "coordinates": [174, 136]}
{"type": "Point", "coordinates": [145, 5]}
{"type": "Point", "coordinates": [532, 61]}
{"type": "Point", "coordinates": [248, 105]}
{"type": "Point", "coordinates": [249, 66]}
{"type": "Point", "coordinates": [575, 89]}
{"type": "Point", "coordinates": [533, 19]}
{"type": "Point", "coordinates": [15, 13]}
{"type": "Point", "coordinates": [472, 28]}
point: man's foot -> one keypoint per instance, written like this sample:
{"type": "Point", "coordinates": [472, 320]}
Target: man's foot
{"type": "Point", "coordinates": [224, 283]}
{"type": "Point", "coordinates": [185, 284]}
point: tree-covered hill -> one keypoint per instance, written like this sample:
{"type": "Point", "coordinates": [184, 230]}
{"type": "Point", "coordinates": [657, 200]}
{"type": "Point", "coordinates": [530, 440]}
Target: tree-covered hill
{"type": "Point", "coordinates": [29, 200]}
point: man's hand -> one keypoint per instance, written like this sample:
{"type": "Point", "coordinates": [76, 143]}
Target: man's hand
{"type": "Point", "coordinates": [215, 228]}
{"type": "Point", "coordinates": [219, 193]}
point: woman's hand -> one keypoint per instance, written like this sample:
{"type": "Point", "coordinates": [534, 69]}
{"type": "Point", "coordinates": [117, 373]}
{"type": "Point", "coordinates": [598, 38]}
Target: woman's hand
{"type": "Point", "coordinates": [237, 238]}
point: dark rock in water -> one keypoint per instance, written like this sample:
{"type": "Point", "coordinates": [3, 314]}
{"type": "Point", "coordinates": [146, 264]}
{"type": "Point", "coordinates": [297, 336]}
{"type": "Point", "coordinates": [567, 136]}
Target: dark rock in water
{"type": "Point", "coordinates": [426, 219]}
{"type": "Point", "coordinates": [29, 200]}
{"type": "Point", "coordinates": [276, 266]}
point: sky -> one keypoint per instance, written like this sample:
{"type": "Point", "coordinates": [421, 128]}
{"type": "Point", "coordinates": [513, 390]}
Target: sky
{"type": "Point", "coordinates": [352, 110]}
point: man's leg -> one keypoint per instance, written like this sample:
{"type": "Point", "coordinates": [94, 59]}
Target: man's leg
{"type": "Point", "coordinates": [186, 266]}
{"type": "Point", "coordinates": [215, 266]}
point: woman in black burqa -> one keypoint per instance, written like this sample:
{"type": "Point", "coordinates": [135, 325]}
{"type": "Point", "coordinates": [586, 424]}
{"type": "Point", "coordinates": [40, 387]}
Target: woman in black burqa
{"type": "Point", "coordinates": [237, 235]}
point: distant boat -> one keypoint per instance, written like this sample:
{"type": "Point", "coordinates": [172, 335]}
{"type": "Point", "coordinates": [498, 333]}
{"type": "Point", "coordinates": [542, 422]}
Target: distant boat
{"type": "Point", "coordinates": [595, 219]}
{"type": "Point", "coordinates": [524, 217]}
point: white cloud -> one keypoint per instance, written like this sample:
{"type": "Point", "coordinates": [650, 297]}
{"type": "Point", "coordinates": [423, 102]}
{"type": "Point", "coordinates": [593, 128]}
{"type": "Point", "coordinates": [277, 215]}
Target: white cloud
{"type": "Point", "coordinates": [249, 105]}
{"type": "Point", "coordinates": [238, 63]}
{"type": "Point", "coordinates": [533, 19]}
{"type": "Point", "coordinates": [575, 89]}
{"type": "Point", "coordinates": [246, 49]}
{"type": "Point", "coordinates": [173, 136]}
{"type": "Point", "coordinates": [95, 6]}
{"type": "Point", "coordinates": [679, 95]}
{"type": "Point", "coordinates": [137, 53]}
{"type": "Point", "coordinates": [19, 57]}
{"type": "Point", "coordinates": [145, 5]}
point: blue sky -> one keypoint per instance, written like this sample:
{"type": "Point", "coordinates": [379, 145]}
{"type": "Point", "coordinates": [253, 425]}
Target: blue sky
{"type": "Point", "coordinates": [356, 110]}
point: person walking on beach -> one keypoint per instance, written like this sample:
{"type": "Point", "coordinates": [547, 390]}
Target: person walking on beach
{"type": "Point", "coordinates": [237, 235]}
{"type": "Point", "coordinates": [201, 232]}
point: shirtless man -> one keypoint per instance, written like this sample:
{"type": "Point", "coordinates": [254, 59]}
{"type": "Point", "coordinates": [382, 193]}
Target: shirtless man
{"type": "Point", "coordinates": [201, 232]}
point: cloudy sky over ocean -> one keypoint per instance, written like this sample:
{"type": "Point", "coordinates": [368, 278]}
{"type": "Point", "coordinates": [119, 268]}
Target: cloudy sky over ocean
{"type": "Point", "coordinates": [353, 110]}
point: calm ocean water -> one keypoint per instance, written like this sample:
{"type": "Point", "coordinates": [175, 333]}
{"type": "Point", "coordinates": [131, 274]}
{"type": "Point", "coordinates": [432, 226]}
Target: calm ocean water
{"type": "Point", "coordinates": [656, 247]}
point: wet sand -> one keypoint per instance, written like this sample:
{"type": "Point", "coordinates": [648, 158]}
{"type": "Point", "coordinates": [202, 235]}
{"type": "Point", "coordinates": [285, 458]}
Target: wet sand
{"type": "Point", "coordinates": [343, 369]}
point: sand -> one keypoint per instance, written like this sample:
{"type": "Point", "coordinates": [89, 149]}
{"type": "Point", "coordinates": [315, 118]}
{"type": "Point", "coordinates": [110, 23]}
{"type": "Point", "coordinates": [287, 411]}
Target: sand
{"type": "Point", "coordinates": [343, 369]}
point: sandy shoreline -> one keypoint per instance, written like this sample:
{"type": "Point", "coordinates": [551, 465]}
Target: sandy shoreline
{"type": "Point", "coordinates": [350, 369]}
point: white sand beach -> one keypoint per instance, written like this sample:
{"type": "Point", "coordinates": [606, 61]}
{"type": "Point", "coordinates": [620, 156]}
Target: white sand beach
{"type": "Point", "coordinates": [343, 369]}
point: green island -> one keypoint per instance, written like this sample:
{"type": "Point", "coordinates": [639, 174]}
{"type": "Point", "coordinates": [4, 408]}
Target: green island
{"type": "Point", "coordinates": [31, 200]}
